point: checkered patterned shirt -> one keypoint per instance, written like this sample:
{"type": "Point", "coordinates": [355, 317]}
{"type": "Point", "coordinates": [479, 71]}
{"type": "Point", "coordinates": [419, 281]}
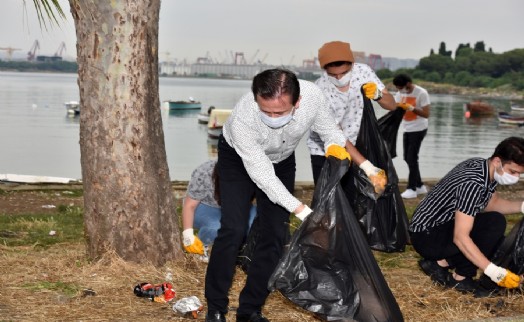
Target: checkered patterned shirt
{"type": "Point", "coordinates": [260, 146]}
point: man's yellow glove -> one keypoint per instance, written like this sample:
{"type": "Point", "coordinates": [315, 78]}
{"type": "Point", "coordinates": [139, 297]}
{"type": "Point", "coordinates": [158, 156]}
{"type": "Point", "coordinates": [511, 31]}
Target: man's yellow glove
{"type": "Point", "coordinates": [406, 106]}
{"type": "Point", "coordinates": [502, 276]}
{"type": "Point", "coordinates": [371, 91]}
{"type": "Point", "coordinates": [376, 176]}
{"type": "Point", "coordinates": [338, 152]}
{"type": "Point", "coordinates": [192, 244]}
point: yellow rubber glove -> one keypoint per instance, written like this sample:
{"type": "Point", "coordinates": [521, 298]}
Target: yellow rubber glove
{"type": "Point", "coordinates": [406, 106]}
{"type": "Point", "coordinates": [502, 276]}
{"type": "Point", "coordinates": [376, 176]}
{"type": "Point", "coordinates": [371, 91]}
{"type": "Point", "coordinates": [338, 152]}
{"type": "Point", "coordinates": [192, 244]}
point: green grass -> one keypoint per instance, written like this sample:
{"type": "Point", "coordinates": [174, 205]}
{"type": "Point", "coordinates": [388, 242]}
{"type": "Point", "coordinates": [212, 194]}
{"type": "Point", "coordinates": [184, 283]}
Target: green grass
{"type": "Point", "coordinates": [31, 229]}
{"type": "Point", "coordinates": [68, 289]}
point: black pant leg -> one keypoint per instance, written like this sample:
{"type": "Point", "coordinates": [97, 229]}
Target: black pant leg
{"type": "Point", "coordinates": [236, 192]}
{"type": "Point", "coordinates": [273, 232]}
{"type": "Point", "coordinates": [412, 142]}
{"type": "Point", "coordinates": [487, 233]}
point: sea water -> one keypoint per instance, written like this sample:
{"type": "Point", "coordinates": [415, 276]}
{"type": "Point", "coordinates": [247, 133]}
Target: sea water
{"type": "Point", "coordinates": [37, 137]}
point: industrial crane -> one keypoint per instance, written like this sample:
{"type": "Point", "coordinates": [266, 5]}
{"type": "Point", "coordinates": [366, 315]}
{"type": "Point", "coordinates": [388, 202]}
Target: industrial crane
{"type": "Point", "coordinates": [31, 54]}
{"type": "Point", "coordinates": [251, 61]}
{"type": "Point", "coordinates": [9, 51]}
{"type": "Point", "coordinates": [60, 49]}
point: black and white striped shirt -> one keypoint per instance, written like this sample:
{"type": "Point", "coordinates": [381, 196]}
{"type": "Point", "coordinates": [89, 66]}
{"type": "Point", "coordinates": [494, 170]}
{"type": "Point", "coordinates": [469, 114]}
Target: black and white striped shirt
{"type": "Point", "coordinates": [466, 188]}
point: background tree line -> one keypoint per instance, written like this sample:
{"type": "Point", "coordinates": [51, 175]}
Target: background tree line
{"type": "Point", "coordinates": [471, 66]}
{"type": "Point", "coordinates": [58, 66]}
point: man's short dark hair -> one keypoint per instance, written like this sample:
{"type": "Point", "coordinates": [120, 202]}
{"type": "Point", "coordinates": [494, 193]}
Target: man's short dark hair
{"type": "Point", "coordinates": [510, 150]}
{"type": "Point", "coordinates": [274, 83]}
{"type": "Point", "coordinates": [401, 80]}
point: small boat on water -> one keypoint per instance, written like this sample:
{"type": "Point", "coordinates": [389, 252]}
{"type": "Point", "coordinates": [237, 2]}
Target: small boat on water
{"type": "Point", "coordinates": [203, 116]}
{"type": "Point", "coordinates": [516, 107]}
{"type": "Point", "coordinates": [478, 108]}
{"type": "Point", "coordinates": [190, 104]}
{"type": "Point", "coordinates": [72, 107]}
{"type": "Point", "coordinates": [217, 118]}
{"type": "Point", "coordinates": [507, 118]}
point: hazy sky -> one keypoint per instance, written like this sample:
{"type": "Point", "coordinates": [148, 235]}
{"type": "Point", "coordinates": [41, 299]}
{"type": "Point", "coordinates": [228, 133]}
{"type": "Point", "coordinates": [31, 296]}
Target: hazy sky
{"type": "Point", "coordinates": [289, 31]}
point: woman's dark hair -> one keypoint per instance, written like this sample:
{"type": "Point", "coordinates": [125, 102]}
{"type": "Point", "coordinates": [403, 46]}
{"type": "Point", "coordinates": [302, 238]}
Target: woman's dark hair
{"type": "Point", "coordinates": [510, 150]}
{"type": "Point", "coordinates": [338, 64]}
{"type": "Point", "coordinates": [214, 177]}
{"type": "Point", "coordinates": [274, 83]}
{"type": "Point", "coordinates": [401, 80]}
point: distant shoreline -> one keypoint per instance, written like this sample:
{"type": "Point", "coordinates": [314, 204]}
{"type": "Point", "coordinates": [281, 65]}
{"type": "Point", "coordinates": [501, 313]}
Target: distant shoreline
{"type": "Point", "coordinates": [432, 88]}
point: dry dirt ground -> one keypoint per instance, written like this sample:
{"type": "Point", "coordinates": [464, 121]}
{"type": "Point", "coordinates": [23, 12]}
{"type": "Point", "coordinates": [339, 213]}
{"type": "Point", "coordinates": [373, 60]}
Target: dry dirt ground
{"type": "Point", "coordinates": [34, 278]}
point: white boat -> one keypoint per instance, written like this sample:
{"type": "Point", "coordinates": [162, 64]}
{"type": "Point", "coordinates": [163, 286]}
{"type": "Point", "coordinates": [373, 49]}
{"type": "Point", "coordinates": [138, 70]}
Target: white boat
{"type": "Point", "coordinates": [510, 119]}
{"type": "Point", "coordinates": [72, 107]}
{"type": "Point", "coordinates": [21, 178]}
{"type": "Point", "coordinates": [516, 107]}
{"type": "Point", "coordinates": [217, 118]}
{"type": "Point", "coordinates": [203, 116]}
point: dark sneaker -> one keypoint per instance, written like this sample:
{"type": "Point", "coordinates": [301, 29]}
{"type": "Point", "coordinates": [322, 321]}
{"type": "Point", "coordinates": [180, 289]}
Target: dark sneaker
{"type": "Point", "coordinates": [468, 285]}
{"type": "Point", "coordinates": [438, 274]}
{"type": "Point", "coordinates": [215, 316]}
{"type": "Point", "coordinates": [253, 317]}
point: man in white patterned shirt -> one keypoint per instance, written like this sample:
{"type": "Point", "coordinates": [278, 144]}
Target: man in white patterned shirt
{"type": "Point", "coordinates": [345, 83]}
{"type": "Point", "coordinates": [256, 155]}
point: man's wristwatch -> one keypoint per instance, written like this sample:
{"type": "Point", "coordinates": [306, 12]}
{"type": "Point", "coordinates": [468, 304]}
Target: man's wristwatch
{"type": "Point", "coordinates": [379, 95]}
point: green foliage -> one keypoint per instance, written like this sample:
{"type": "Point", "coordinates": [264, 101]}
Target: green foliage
{"type": "Point", "coordinates": [384, 73]}
{"type": "Point", "coordinates": [26, 66]}
{"type": "Point", "coordinates": [473, 67]}
{"type": "Point", "coordinates": [442, 50]}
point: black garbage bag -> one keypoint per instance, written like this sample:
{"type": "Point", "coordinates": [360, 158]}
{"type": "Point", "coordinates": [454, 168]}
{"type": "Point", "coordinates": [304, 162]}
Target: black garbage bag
{"type": "Point", "coordinates": [388, 126]}
{"type": "Point", "coordinates": [383, 218]}
{"type": "Point", "coordinates": [329, 268]}
{"type": "Point", "coordinates": [510, 254]}
{"type": "Point", "coordinates": [247, 250]}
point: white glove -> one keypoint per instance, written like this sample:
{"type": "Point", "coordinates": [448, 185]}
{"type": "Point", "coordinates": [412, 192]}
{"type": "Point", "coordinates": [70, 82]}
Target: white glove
{"type": "Point", "coordinates": [188, 237]}
{"type": "Point", "coordinates": [369, 168]}
{"type": "Point", "coordinates": [376, 176]}
{"type": "Point", "coordinates": [502, 276]}
{"type": "Point", "coordinates": [304, 213]}
{"type": "Point", "coordinates": [192, 244]}
{"type": "Point", "coordinates": [522, 207]}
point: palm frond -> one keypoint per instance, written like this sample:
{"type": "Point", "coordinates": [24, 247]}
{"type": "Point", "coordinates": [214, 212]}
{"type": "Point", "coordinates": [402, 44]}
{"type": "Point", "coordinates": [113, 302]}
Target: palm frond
{"type": "Point", "coordinates": [48, 11]}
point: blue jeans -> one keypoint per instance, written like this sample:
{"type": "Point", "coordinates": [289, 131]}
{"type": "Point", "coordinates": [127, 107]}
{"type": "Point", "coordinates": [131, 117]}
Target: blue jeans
{"type": "Point", "coordinates": [207, 221]}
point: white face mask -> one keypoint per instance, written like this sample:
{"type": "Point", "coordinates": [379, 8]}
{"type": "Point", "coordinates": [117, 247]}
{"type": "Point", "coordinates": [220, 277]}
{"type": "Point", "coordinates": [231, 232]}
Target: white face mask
{"type": "Point", "coordinates": [342, 82]}
{"type": "Point", "coordinates": [505, 178]}
{"type": "Point", "coordinates": [276, 122]}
